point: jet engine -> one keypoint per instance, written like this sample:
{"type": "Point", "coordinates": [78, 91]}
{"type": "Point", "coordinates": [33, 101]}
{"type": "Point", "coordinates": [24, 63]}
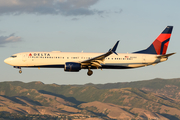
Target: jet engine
{"type": "Point", "coordinates": [72, 67]}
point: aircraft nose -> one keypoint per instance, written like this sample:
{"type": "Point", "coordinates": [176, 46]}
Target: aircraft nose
{"type": "Point", "coordinates": [7, 60]}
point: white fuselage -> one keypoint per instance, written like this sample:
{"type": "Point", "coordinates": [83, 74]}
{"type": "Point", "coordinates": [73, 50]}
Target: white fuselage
{"type": "Point", "coordinates": [58, 59]}
{"type": "Point", "coordinates": [74, 61]}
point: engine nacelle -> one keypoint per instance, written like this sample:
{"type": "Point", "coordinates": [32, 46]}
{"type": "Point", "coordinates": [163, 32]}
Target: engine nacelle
{"type": "Point", "coordinates": [72, 67]}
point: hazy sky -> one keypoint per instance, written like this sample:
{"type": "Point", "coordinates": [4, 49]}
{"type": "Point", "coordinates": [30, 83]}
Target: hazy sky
{"type": "Point", "coordinates": [91, 26]}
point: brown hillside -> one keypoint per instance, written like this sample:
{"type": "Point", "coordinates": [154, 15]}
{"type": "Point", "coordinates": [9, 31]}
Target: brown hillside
{"type": "Point", "coordinates": [121, 112]}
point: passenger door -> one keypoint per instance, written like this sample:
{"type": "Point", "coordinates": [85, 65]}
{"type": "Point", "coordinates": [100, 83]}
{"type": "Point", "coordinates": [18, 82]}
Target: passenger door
{"type": "Point", "coordinates": [24, 57]}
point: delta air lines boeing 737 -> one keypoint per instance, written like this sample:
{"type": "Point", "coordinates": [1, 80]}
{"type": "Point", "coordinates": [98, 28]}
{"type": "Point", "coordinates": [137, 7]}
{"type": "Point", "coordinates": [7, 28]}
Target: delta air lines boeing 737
{"type": "Point", "coordinates": [74, 62]}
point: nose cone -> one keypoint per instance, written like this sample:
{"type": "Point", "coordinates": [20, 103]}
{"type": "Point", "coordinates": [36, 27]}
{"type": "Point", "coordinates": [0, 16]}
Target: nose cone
{"type": "Point", "coordinates": [7, 61]}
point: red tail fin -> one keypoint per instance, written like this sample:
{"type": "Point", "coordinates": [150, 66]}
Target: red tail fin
{"type": "Point", "coordinates": [162, 41]}
{"type": "Point", "coordinates": [160, 45]}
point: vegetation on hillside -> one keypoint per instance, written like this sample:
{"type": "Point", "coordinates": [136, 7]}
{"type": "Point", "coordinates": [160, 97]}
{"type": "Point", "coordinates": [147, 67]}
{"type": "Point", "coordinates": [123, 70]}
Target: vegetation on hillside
{"type": "Point", "coordinates": [158, 95]}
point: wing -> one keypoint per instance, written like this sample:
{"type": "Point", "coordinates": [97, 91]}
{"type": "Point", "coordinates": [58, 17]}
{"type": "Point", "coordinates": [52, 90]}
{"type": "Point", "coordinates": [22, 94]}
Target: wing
{"type": "Point", "coordinates": [96, 61]}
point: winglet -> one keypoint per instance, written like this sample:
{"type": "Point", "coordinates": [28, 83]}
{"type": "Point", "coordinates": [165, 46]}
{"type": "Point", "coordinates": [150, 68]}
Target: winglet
{"type": "Point", "coordinates": [114, 48]}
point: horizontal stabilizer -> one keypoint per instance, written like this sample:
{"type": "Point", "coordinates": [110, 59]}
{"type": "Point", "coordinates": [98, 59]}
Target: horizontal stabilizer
{"type": "Point", "coordinates": [165, 56]}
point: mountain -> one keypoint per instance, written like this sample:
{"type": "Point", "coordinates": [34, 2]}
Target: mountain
{"type": "Point", "coordinates": [148, 99]}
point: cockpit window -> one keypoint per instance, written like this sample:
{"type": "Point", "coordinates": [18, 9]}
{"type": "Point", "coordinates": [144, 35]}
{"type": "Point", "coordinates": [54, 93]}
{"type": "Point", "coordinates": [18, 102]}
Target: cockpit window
{"type": "Point", "coordinates": [13, 56]}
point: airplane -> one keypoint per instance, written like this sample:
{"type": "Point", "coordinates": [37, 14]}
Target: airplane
{"type": "Point", "coordinates": [75, 61]}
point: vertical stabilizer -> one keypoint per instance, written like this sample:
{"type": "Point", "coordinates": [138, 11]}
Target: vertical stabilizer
{"type": "Point", "coordinates": [160, 44]}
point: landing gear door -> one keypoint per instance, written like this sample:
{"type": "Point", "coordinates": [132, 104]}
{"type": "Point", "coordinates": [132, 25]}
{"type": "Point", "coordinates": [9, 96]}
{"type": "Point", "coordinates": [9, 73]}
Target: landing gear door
{"type": "Point", "coordinates": [24, 57]}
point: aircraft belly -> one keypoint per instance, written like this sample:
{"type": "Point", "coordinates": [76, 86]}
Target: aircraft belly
{"type": "Point", "coordinates": [122, 65]}
{"type": "Point", "coordinates": [49, 66]}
